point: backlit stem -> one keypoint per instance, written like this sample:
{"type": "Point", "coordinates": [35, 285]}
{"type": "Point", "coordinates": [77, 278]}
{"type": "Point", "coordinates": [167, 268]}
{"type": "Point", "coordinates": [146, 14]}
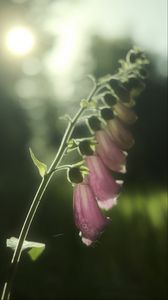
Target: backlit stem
{"type": "Point", "coordinates": [37, 199]}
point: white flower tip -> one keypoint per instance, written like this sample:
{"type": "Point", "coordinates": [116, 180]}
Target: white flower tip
{"type": "Point", "coordinates": [125, 153]}
{"type": "Point", "coordinates": [107, 204]}
{"type": "Point", "coordinates": [86, 241]}
{"type": "Point", "coordinates": [123, 169]}
{"type": "Point", "coordinates": [120, 182]}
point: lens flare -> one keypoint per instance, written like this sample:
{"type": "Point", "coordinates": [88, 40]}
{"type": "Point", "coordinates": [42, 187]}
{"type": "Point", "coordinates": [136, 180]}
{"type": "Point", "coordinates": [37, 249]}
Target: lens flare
{"type": "Point", "coordinates": [20, 41]}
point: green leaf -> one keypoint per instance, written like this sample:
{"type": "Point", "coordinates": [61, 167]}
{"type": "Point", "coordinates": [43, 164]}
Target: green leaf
{"type": "Point", "coordinates": [35, 248]}
{"type": "Point", "coordinates": [35, 252]}
{"type": "Point", "coordinates": [41, 166]}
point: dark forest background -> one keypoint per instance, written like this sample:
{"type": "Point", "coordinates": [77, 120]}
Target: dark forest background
{"type": "Point", "coordinates": [129, 261]}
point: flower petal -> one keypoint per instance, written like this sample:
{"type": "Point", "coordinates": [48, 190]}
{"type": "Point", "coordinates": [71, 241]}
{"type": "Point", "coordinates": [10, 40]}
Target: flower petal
{"type": "Point", "coordinates": [88, 216]}
{"type": "Point", "coordinates": [120, 134]}
{"type": "Point", "coordinates": [125, 114]}
{"type": "Point", "coordinates": [112, 156]}
{"type": "Point", "coordinates": [104, 186]}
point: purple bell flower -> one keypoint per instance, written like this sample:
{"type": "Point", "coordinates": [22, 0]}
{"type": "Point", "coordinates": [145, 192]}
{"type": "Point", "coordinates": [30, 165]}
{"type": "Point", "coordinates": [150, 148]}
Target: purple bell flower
{"type": "Point", "coordinates": [120, 134]}
{"type": "Point", "coordinates": [112, 156]}
{"type": "Point", "coordinates": [104, 186]}
{"type": "Point", "coordinates": [124, 113]}
{"type": "Point", "coordinates": [88, 216]}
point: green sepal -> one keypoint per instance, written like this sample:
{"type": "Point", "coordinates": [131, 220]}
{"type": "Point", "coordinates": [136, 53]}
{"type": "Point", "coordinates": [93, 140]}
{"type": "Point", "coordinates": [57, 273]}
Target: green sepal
{"type": "Point", "coordinates": [74, 175]}
{"type": "Point", "coordinates": [88, 104]}
{"type": "Point", "coordinates": [84, 170]}
{"type": "Point", "coordinates": [84, 103]}
{"type": "Point", "coordinates": [42, 168]}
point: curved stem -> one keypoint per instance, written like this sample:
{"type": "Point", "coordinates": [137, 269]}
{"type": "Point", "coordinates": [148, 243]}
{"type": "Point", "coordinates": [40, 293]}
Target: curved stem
{"type": "Point", "coordinates": [37, 199]}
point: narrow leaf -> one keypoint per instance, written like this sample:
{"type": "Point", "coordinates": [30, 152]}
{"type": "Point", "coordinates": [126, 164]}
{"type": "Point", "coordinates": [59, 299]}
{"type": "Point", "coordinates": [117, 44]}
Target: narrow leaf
{"type": "Point", "coordinates": [35, 252]}
{"type": "Point", "coordinates": [41, 166]}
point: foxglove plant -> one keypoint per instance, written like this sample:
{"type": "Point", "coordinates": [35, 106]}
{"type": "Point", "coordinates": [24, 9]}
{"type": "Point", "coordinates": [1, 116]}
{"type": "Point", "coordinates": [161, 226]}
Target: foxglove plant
{"type": "Point", "coordinates": [110, 108]}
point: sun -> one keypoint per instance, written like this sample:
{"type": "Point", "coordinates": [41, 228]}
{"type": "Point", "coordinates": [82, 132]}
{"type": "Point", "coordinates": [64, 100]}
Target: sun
{"type": "Point", "coordinates": [20, 40]}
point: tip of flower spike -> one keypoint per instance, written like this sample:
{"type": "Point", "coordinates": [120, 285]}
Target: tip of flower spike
{"type": "Point", "coordinates": [134, 55]}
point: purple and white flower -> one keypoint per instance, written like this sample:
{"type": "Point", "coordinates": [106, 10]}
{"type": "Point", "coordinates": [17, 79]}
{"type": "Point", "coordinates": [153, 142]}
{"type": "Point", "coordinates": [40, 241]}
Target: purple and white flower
{"type": "Point", "coordinates": [124, 113]}
{"type": "Point", "coordinates": [104, 186]}
{"type": "Point", "coordinates": [87, 214]}
{"type": "Point", "coordinates": [112, 156]}
{"type": "Point", "coordinates": [120, 134]}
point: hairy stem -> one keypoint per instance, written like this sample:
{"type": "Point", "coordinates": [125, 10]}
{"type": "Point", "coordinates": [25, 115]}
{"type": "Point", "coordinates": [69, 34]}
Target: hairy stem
{"type": "Point", "coordinates": [37, 199]}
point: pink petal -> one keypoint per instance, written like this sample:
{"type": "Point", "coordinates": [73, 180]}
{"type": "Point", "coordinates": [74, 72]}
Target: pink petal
{"type": "Point", "coordinates": [125, 114]}
{"type": "Point", "coordinates": [104, 186]}
{"type": "Point", "coordinates": [112, 156]}
{"type": "Point", "coordinates": [88, 217]}
{"type": "Point", "coordinates": [120, 134]}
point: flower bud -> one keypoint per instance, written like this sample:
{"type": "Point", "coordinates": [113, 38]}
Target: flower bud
{"type": "Point", "coordinates": [133, 57]}
{"type": "Point", "coordinates": [110, 100]}
{"type": "Point", "coordinates": [120, 90]}
{"type": "Point", "coordinates": [143, 72]}
{"type": "Point", "coordinates": [107, 114]}
{"type": "Point", "coordinates": [133, 83]}
{"type": "Point", "coordinates": [75, 175]}
{"type": "Point", "coordinates": [120, 134]}
{"type": "Point", "coordinates": [94, 123]}
{"type": "Point", "coordinates": [125, 114]}
{"type": "Point", "coordinates": [85, 148]}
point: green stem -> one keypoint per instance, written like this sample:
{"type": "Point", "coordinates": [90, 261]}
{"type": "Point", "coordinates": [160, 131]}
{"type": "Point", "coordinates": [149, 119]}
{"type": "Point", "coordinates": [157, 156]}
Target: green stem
{"type": "Point", "coordinates": [37, 199]}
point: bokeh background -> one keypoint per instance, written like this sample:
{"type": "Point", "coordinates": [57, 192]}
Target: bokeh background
{"type": "Point", "coordinates": [68, 40]}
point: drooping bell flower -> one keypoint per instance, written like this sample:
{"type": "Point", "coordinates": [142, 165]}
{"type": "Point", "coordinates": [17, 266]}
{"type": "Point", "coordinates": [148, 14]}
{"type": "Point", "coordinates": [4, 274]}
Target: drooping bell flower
{"type": "Point", "coordinates": [121, 135]}
{"type": "Point", "coordinates": [125, 114]}
{"type": "Point", "coordinates": [122, 92]}
{"type": "Point", "coordinates": [104, 186]}
{"type": "Point", "coordinates": [88, 216]}
{"type": "Point", "coordinates": [117, 131]}
{"type": "Point", "coordinates": [112, 156]}
{"type": "Point", "coordinates": [135, 85]}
